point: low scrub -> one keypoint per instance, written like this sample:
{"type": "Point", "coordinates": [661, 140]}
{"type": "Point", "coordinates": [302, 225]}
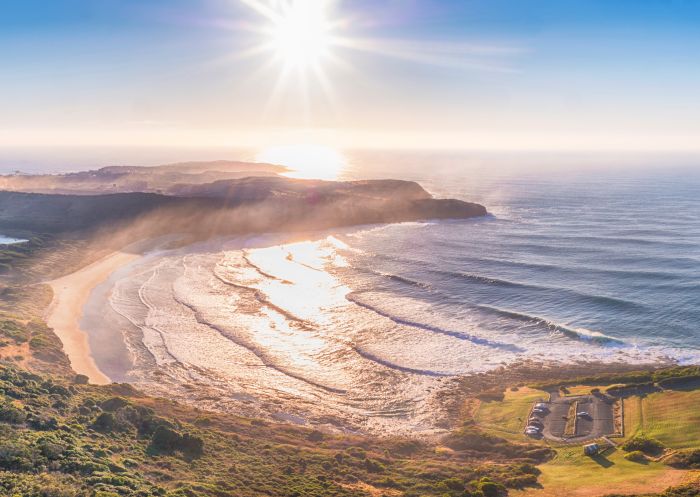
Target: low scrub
{"type": "Point", "coordinates": [666, 378]}
{"type": "Point", "coordinates": [74, 440]}
{"type": "Point", "coordinates": [644, 444]}
{"type": "Point", "coordinates": [687, 459]}
{"type": "Point", "coordinates": [636, 456]}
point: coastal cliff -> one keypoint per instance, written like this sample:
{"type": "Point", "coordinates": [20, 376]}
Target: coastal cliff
{"type": "Point", "coordinates": [224, 206]}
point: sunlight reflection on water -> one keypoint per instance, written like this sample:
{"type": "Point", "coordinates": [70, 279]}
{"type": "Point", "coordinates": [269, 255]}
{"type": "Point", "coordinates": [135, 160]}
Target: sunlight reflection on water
{"type": "Point", "coordinates": [306, 161]}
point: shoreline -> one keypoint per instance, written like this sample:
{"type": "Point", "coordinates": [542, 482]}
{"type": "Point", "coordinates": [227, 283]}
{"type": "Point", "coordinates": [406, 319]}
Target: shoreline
{"type": "Point", "coordinates": [70, 295]}
{"type": "Point", "coordinates": [71, 306]}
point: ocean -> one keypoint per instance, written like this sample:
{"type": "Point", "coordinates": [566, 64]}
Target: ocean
{"type": "Point", "coordinates": [8, 240]}
{"type": "Point", "coordinates": [581, 258]}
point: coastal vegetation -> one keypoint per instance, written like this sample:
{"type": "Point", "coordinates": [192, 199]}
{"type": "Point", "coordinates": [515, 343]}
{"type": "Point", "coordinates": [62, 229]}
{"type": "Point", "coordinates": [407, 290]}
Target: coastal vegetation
{"type": "Point", "coordinates": [60, 438]}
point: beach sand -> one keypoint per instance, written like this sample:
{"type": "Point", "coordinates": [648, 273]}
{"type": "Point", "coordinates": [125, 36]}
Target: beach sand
{"type": "Point", "coordinates": [71, 293]}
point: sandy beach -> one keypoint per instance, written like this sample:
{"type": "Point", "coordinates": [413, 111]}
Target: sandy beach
{"type": "Point", "coordinates": [70, 294]}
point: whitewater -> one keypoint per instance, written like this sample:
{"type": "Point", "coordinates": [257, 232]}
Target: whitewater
{"type": "Point", "coordinates": [363, 328]}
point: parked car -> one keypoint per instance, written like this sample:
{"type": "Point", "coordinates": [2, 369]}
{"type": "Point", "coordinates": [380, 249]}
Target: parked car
{"type": "Point", "coordinates": [532, 432]}
{"type": "Point", "coordinates": [535, 422]}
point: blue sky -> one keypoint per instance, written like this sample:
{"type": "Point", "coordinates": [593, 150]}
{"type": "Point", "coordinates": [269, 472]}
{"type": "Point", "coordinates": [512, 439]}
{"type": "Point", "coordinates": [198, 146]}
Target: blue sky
{"type": "Point", "coordinates": [609, 74]}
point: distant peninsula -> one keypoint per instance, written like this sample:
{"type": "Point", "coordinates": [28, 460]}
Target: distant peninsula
{"type": "Point", "coordinates": [210, 199]}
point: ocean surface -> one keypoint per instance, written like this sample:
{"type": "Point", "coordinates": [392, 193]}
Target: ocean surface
{"type": "Point", "coordinates": [580, 258]}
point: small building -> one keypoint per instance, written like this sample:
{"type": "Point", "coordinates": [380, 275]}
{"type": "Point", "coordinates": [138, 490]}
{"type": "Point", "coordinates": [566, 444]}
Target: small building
{"type": "Point", "coordinates": [591, 449]}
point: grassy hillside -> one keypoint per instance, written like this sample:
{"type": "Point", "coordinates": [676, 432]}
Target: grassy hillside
{"type": "Point", "coordinates": [74, 440]}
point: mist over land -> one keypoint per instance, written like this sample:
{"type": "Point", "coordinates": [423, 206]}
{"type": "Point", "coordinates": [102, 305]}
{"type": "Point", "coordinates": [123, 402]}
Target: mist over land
{"type": "Point", "coordinates": [455, 250]}
{"type": "Point", "coordinates": [212, 198]}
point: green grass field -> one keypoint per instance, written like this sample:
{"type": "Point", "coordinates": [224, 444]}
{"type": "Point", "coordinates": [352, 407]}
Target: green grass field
{"type": "Point", "coordinates": [573, 474]}
{"type": "Point", "coordinates": [507, 418]}
{"type": "Point", "coordinates": [671, 416]}
{"type": "Point", "coordinates": [578, 390]}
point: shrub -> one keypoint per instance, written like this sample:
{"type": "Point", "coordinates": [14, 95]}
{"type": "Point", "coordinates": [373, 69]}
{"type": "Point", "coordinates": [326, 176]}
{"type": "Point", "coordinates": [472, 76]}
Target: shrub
{"type": "Point", "coordinates": [687, 459]}
{"type": "Point", "coordinates": [166, 439]}
{"type": "Point", "coordinates": [81, 379]}
{"type": "Point", "coordinates": [192, 445]}
{"type": "Point", "coordinates": [644, 444]}
{"type": "Point", "coordinates": [14, 331]}
{"type": "Point", "coordinates": [42, 422]}
{"type": "Point", "coordinates": [372, 466]}
{"type": "Point", "coordinates": [113, 404]}
{"type": "Point", "coordinates": [11, 414]}
{"type": "Point", "coordinates": [489, 488]}
{"type": "Point", "coordinates": [16, 456]}
{"type": "Point", "coordinates": [315, 436]}
{"type": "Point", "coordinates": [453, 483]}
{"type": "Point", "coordinates": [636, 456]}
{"type": "Point", "coordinates": [105, 422]}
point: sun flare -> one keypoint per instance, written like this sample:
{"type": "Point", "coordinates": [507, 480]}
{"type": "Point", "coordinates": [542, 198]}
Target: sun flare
{"type": "Point", "coordinates": [306, 161]}
{"type": "Point", "coordinates": [301, 35]}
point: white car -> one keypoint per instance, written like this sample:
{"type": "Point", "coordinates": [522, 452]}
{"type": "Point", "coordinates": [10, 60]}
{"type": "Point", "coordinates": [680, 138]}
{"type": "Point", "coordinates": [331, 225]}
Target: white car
{"type": "Point", "coordinates": [532, 431]}
{"type": "Point", "coordinates": [583, 414]}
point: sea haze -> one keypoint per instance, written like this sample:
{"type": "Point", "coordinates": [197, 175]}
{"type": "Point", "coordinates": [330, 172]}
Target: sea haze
{"type": "Point", "coordinates": [365, 326]}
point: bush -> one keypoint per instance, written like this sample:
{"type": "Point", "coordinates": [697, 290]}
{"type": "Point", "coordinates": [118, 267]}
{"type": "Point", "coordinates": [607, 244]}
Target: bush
{"type": "Point", "coordinates": [372, 466]}
{"type": "Point", "coordinates": [636, 456]}
{"type": "Point", "coordinates": [166, 439]}
{"type": "Point", "coordinates": [16, 456]}
{"type": "Point", "coordinates": [644, 444]}
{"type": "Point", "coordinates": [113, 404]}
{"type": "Point", "coordinates": [488, 488]}
{"type": "Point", "coordinates": [105, 422]}
{"type": "Point", "coordinates": [81, 379]}
{"type": "Point", "coordinates": [42, 422]}
{"type": "Point", "coordinates": [315, 436]}
{"type": "Point", "coordinates": [11, 414]}
{"type": "Point", "coordinates": [192, 445]}
{"type": "Point", "coordinates": [14, 331]}
{"type": "Point", "coordinates": [687, 459]}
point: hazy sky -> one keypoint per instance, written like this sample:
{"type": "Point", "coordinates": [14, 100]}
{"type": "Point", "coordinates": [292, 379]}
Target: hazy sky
{"type": "Point", "coordinates": [592, 74]}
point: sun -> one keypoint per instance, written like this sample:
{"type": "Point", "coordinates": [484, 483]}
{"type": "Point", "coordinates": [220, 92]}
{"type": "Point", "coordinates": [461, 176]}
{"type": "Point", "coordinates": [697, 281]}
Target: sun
{"type": "Point", "coordinates": [301, 39]}
{"type": "Point", "coordinates": [298, 32]}
{"type": "Point", "coordinates": [301, 34]}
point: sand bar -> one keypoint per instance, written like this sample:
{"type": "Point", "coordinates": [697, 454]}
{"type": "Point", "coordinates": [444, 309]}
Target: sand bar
{"type": "Point", "coordinates": [71, 293]}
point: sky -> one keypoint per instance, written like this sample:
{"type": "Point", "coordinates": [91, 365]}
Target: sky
{"type": "Point", "coordinates": [472, 74]}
